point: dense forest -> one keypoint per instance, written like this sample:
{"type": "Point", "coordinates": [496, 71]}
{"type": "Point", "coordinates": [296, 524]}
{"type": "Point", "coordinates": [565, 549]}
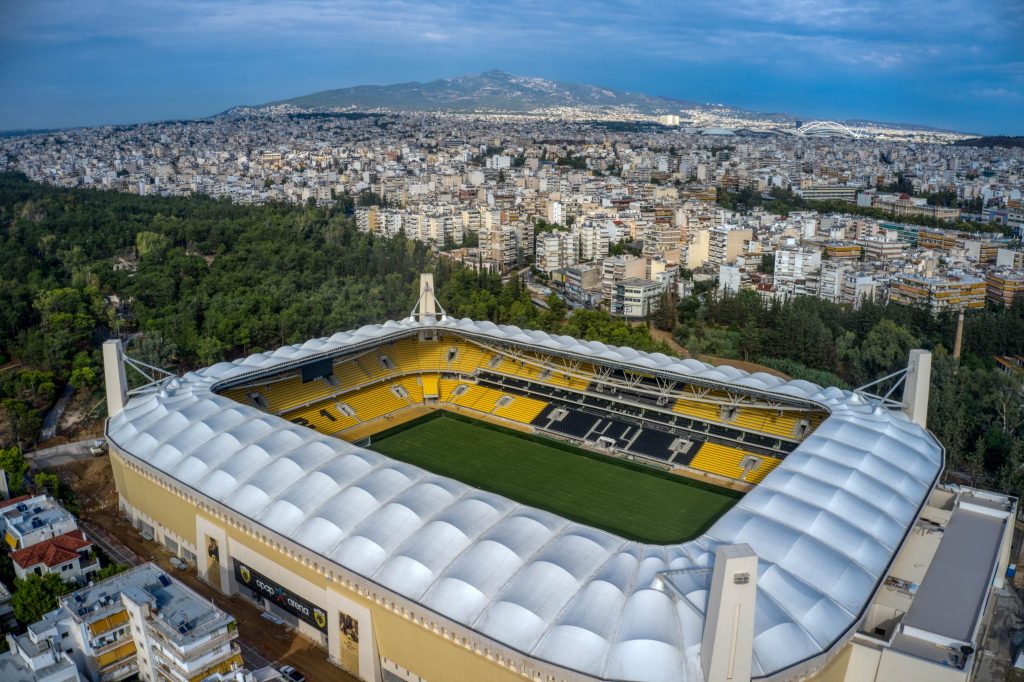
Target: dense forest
{"type": "Point", "coordinates": [191, 281]}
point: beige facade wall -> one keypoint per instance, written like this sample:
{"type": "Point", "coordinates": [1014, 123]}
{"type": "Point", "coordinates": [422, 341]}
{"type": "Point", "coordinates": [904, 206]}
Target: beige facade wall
{"type": "Point", "coordinates": [418, 641]}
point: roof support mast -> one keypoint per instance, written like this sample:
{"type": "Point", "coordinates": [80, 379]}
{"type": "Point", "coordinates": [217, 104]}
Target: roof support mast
{"type": "Point", "coordinates": [426, 305]}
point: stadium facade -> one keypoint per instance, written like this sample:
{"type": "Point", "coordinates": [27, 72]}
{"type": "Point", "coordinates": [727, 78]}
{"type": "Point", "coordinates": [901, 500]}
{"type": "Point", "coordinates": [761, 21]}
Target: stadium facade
{"type": "Point", "coordinates": [405, 575]}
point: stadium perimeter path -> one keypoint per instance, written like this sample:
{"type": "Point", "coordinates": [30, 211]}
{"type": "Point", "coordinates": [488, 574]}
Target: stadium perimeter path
{"type": "Point", "coordinates": [262, 642]}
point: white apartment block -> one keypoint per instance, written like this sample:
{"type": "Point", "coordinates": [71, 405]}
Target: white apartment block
{"type": "Point", "coordinates": [142, 622]}
{"type": "Point", "coordinates": [28, 520]}
{"type": "Point", "coordinates": [556, 250]}
{"type": "Point", "coordinates": [794, 264]}
{"type": "Point", "coordinates": [595, 238]}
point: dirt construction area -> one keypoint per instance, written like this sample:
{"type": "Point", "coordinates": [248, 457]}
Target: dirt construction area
{"type": "Point", "coordinates": [262, 642]}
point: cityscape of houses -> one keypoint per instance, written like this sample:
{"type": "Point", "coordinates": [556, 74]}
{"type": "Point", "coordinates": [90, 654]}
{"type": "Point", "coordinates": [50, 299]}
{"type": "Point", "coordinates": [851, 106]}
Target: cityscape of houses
{"type": "Point", "coordinates": [613, 214]}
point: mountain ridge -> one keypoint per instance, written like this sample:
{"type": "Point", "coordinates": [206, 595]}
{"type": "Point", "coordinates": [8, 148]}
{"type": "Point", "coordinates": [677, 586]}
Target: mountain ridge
{"type": "Point", "coordinates": [497, 91]}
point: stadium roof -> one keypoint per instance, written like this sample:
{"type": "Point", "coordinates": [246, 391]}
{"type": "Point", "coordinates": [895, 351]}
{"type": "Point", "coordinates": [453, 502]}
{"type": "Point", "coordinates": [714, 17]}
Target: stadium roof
{"type": "Point", "coordinates": [826, 523]}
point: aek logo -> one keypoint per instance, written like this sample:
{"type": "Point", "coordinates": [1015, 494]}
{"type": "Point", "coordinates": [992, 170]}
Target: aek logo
{"type": "Point", "coordinates": [246, 575]}
{"type": "Point", "coordinates": [320, 617]}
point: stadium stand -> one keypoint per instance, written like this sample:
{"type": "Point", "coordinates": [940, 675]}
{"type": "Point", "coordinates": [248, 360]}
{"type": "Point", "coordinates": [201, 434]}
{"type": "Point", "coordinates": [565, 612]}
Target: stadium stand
{"type": "Point", "coordinates": [630, 419]}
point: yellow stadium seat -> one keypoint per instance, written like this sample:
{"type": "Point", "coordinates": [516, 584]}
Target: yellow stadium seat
{"type": "Point", "coordinates": [727, 461]}
{"type": "Point", "coordinates": [521, 409]}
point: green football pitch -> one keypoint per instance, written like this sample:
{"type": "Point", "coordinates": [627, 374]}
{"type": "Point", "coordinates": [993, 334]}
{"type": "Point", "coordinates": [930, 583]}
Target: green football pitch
{"type": "Point", "coordinates": [635, 502]}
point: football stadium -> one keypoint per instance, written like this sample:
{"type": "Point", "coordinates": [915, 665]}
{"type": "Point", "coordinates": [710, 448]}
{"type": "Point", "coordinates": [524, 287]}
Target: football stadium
{"type": "Point", "coordinates": [442, 499]}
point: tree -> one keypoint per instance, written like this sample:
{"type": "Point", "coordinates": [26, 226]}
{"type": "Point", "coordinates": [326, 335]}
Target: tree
{"type": "Point", "coordinates": [24, 421]}
{"type": "Point", "coordinates": [15, 466]}
{"type": "Point", "coordinates": [885, 348]}
{"type": "Point", "coordinates": [555, 313]}
{"type": "Point", "coordinates": [47, 482]}
{"type": "Point", "coordinates": [1006, 399]}
{"type": "Point", "coordinates": [1011, 474]}
{"type": "Point", "coordinates": [36, 596]}
{"type": "Point", "coordinates": [750, 341]}
{"type": "Point", "coordinates": [974, 463]}
{"type": "Point", "coordinates": [110, 570]}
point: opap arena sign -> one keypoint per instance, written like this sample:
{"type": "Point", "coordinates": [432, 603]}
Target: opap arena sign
{"type": "Point", "coordinates": [279, 596]}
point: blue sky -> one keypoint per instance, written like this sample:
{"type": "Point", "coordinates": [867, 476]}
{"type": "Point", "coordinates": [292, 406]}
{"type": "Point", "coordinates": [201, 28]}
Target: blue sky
{"type": "Point", "coordinates": [957, 64]}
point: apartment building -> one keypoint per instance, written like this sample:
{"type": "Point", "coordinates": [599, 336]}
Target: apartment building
{"type": "Point", "coordinates": [635, 298]}
{"type": "Point", "coordinates": [30, 519]}
{"type": "Point", "coordinates": [858, 287]}
{"type": "Point", "coordinates": [618, 268]}
{"type": "Point", "coordinates": [142, 622]}
{"type": "Point", "coordinates": [1010, 258]}
{"type": "Point", "coordinates": [830, 280]}
{"type": "Point", "coordinates": [725, 243]}
{"type": "Point", "coordinates": [792, 264]}
{"type": "Point", "coordinates": [1004, 287]}
{"type": "Point", "coordinates": [556, 250]}
{"type": "Point", "coordinates": [843, 251]}
{"type": "Point", "coordinates": [826, 192]}
{"type": "Point", "coordinates": [883, 250]}
{"type": "Point", "coordinates": [954, 291]}
{"type": "Point", "coordinates": [31, 657]}
{"type": "Point", "coordinates": [595, 238]}
{"type": "Point", "coordinates": [583, 285]}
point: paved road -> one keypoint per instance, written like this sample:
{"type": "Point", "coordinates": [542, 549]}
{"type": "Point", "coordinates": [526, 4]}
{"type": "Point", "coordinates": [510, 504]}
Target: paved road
{"type": "Point", "coordinates": [52, 419]}
{"type": "Point", "coordinates": [60, 454]}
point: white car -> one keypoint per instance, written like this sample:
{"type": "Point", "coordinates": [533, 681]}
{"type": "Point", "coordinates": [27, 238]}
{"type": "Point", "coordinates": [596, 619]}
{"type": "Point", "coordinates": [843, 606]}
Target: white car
{"type": "Point", "coordinates": [179, 564]}
{"type": "Point", "coordinates": [292, 674]}
{"type": "Point", "coordinates": [98, 447]}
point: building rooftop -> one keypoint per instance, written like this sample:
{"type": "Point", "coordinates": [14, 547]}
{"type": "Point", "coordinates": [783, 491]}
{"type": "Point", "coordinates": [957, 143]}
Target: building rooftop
{"type": "Point", "coordinates": [25, 514]}
{"type": "Point", "coordinates": [182, 615]}
{"type": "Point", "coordinates": [52, 552]}
{"type": "Point", "coordinates": [17, 664]}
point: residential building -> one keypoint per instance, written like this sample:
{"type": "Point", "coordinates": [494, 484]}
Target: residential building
{"type": "Point", "coordinates": [618, 268]}
{"type": "Point", "coordinates": [69, 555]}
{"type": "Point", "coordinates": [7, 621]}
{"type": "Point", "coordinates": [953, 291]}
{"type": "Point", "coordinates": [726, 243]}
{"type": "Point", "coordinates": [843, 251]}
{"type": "Point", "coordinates": [595, 238]}
{"type": "Point", "coordinates": [730, 279]}
{"type": "Point", "coordinates": [792, 264]}
{"type": "Point", "coordinates": [635, 298]}
{"type": "Point", "coordinates": [35, 657]}
{"type": "Point", "coordinates": [583, 285]}
{"type": "Point", "coordinates": [1005, 287]}
{"type": "Point", "coordinates": [858, 287]}
{"type": "Point", "coordinates": [557, 249]}
{"type": "Point", "coordinates": [29, 519]}
{"type": "Point", "coordinates": [880, 249]}
{"type": "Point", "coordinates": [143, 622]}
{"type": "Point", "coordinates": [830, 280]}
{"type": "Point", "coordinates": [1010, 258]}
{"type": "Point", "coordinates": [819, 192]}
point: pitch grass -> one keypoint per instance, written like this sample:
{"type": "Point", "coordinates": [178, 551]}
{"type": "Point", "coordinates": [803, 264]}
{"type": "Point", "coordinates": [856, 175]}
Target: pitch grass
{"type": "Point", "coordinates": [632, 501]}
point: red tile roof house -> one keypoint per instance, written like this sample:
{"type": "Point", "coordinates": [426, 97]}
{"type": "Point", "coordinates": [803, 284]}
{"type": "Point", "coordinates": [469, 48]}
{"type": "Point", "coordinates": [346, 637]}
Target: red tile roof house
{"type": "Point", "coordinates": [69, 556]}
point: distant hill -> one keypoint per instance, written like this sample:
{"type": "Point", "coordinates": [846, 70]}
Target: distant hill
{"type": "Point", "coordinates": [489, 91]}
{"type": "Point", "coordinates": [992, 141]}
{"type": "Point", "coordinates": [498, 91]}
